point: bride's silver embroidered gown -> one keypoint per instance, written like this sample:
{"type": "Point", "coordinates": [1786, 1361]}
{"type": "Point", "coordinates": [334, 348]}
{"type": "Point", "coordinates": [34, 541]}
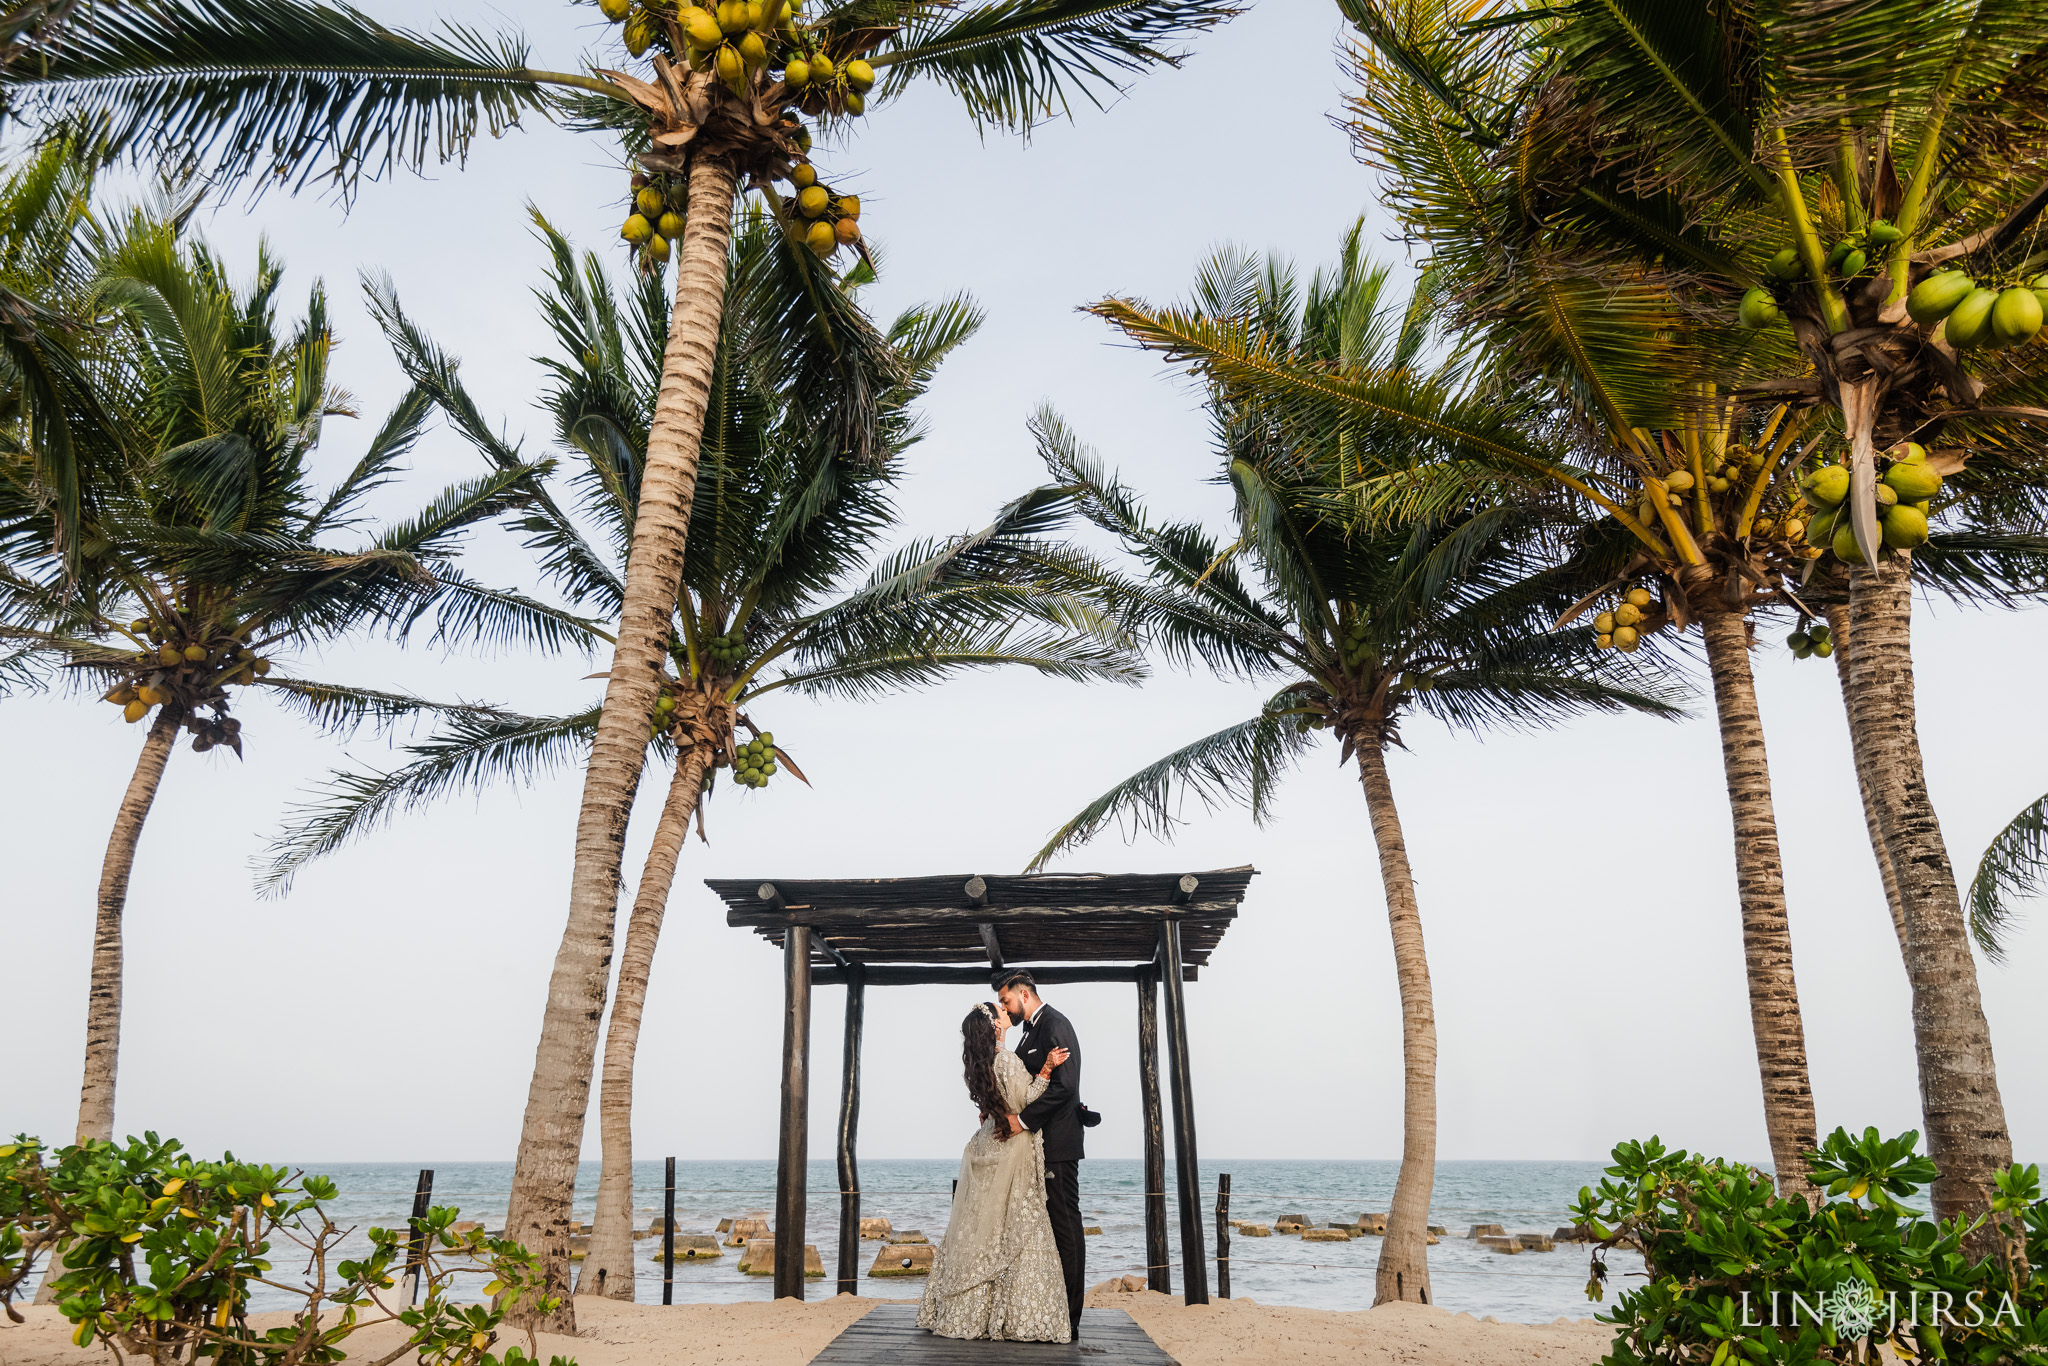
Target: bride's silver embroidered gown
{"type": "Point", "coordinates": [997, 1272]}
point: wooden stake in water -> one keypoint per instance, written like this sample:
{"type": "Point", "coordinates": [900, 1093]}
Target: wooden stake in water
{"type": "Point", "coordinates": [1223, 1236]}
{"type": "Point", "coordinates": [416, 1246]}
{"type": "Point", "coordinates": [668, 1237]}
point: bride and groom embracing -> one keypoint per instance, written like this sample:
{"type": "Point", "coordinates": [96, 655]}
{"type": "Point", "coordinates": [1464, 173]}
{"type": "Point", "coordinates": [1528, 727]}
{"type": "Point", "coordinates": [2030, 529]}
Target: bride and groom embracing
{"type": "Point", "coordinates": [1010, 1266]}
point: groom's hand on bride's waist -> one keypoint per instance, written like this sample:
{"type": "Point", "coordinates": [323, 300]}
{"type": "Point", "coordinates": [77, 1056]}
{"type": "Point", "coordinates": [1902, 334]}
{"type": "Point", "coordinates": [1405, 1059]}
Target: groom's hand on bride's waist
{"type": "Point", "coordinates": [1016, 1125]}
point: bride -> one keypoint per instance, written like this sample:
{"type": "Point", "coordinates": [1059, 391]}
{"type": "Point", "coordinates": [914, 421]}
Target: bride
{"type": "Point", "coordinates": [996, 1273]}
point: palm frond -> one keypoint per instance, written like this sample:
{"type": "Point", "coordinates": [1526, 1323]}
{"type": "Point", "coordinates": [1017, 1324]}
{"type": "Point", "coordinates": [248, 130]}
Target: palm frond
{"type": "Point", "coordinates": [342, 710]}
{"type": "Point", "coordinates": [1012, 63]}
{"type": "Point", "coordinates": [1238, 764]}
{"type": "Point", "coordinates": [277, 91]}
{"type": "Point", "coordinates": [2012, 867]}
{"type": "Point", "coordinates": [477, 749]}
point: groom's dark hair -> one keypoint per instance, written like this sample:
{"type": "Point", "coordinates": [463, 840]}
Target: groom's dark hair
{"type": "Point", "coordinates": [1018, 978]}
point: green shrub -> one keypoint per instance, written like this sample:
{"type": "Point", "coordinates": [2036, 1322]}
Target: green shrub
{"type": "Point", "coordinates": [161, 1251]}
{"type": "Point", "coordinates": [1737, 1274]}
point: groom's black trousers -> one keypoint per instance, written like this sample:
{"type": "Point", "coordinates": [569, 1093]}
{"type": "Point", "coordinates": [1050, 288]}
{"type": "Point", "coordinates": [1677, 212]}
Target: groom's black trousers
{"type": "Point", "coordinates": [1063, 1208]}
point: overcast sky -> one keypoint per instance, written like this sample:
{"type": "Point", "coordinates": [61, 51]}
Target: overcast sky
{"type": "Point", "coordinates": [1577, 886]}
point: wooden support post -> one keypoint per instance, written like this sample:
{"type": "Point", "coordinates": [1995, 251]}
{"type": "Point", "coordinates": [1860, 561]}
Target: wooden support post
{"type": "Point", "coordinates": [668, 1236]}
{"type": "Point", "coordinates": [1158, 1275]}
{"type": "Point", "coordinates": [849, 1128]}
{"type": "Point", "coordinates": [1223, 1236]}
{"type": "Point", "coordinates": [794, 1149]}
{"type": "Point", "coordinates": [1194, 1262]}
{"type": "Point", "coordinates": [416, 1243]}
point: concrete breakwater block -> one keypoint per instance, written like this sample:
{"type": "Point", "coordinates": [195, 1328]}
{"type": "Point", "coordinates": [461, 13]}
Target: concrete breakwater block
{"type": "Point", "coordinates": [1574, 1233]}
{"type": "Point", "coordinates": [1121, 1285]}
{"type": "Point", "coordinates": [1326, 1235]}
{"type": "Point", "coordinates": [1255, 1230]}
{"type": "Point", "coordinates": [1371, 1223]}
{"type": "Point", "coordinates": [725, 1226]}
{"type": "Point", "coordinates": [1536, 1242]}
{"type": "Point", "coordinates": [1484, 1230]}
{"type": "Point", "coordinates": [1439, 1230]}
{"type": "Point", "coordinates": [909, 1235]}
{"type": "Point", "coordinates": [1496, 1242]}
{"type": "Point", "coordinates": [759, 1259]}
{"type": "Point", "coordinates": [903, 1259]}
{"type": "Point", "coordinates": [696, 1247]}
{"type": "Point", "coordinates": [874, 1228]}
{"type": "Point", "coordinates": [1291, 1223]}
{"type": "Point", "coordinates": [1091, 1230]}
{"type": "Point", "coordinates": [579, 1246]}
{"type": "Point", "coordinates": [745, 1231]}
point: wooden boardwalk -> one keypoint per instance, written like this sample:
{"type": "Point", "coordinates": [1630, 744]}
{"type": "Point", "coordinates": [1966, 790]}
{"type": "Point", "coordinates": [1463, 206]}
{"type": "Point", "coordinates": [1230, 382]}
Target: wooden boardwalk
{"type": "Point", "coordinates": [888, 1335]}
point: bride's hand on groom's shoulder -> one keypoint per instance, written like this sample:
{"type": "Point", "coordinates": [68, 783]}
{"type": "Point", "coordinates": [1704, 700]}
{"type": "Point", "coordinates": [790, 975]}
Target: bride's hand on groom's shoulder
{"type": "Point", "coordinates": [1052, 1060]}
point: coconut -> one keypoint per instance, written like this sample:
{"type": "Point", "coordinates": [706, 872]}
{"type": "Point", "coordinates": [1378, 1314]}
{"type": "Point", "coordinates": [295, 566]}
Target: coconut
{"type": "Point", "coordinates": [615, 10]}
{"type": "Point", "coordinates": [1912, 483]}
{"type": "Point", "coordinates": [701, 28]}
{"type": "Point", "coordinates": [849, 205]}
{"type": "Point", "coordinates": [1904, 527]}
{"type": "Point", "coordinates": [1793, 529]}
{"type": "Point", "coordinates": [135, 711]}
{"type": "Point", "coordinates": [139, 625]}
{"type": "Point", "coordinates": [1785, 265]}
{"type": "Point", "coordinates": [1628, 614]}
{"type": "Point", "coordinates": [1827, 486]}
{"type": "Point", "coordinates": [803, 175]}
{"type": "Point", "coordinates": [1824, 648]}
{"type": "Point", "coordinates": [1603, 624]}
{"type": "Point", "coordinates": [671, 226]}
{"type": "Point", "coordinates": [149, 696]}
{"type": "Point", "coordinates": [1798, 640]}
{"type": "Point", "coordinates": [1678, 481]}
{"type": "Point", "coordinates": [1882, 234]}
{"type": "Point", "coordinates": [1969, 323]}
{"type": "Point", "coordinates": [1637, 597]}
{"type": "Point", "coordinates": [812, 200]}
{"type": "Point", "coordinates": [821, 239]}
{"type": "Point", "coordinates": [649, 202]}
{"type": "Point", "coordinates": [1935, 297]}
{"type": "Point", "coordinates": [821, 68]}
{"type": "Point", "coordinates": [1844, 543]}
{"type": "Point", "coordinates": [1626, 638]}
{"type": "Point", "coordinates": [1853, 262]}
{"type": "Point", "coordinates": [796, 74]}
{"type": "Point", "coordinates": [169, 653]}
{"type": "Point", "coordinates": [855, 105]}
{"type": "Point", "coordinates": [847, 231]}
{"type": "Point", "coordinates": [2016, 317]}
{"type": "Point", "coordinates": [1885, 495]}
{"type": "Point", "coordinates": [639, 33]}
{"type": "Point", "coordinates": [637, 229]}
{"type": "Point", "coordinates": [753, 51]}
{"type": "Point", "coordinates": [657, 247]}
{"type": "Point", "coordinates": [1758, 308]}
{"type": "Point", "coordinates": [729, 65]}
{"type": "Point", "coordinates": [860, 75]}
{"type": "Point", "coordinates": [262, 666]}
{"type": "Point", "coordinates": [195, 654]}
{"type": "Point", "coordinates": [1604, 640]}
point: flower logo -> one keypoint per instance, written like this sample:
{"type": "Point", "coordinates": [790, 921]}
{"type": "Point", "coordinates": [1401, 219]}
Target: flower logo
{"type": "Point", "coordinates": [1853, 1309]}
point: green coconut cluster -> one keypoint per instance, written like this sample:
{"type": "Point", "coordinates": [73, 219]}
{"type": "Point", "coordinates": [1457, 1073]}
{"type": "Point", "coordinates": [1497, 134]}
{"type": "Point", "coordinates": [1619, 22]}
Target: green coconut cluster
{"type": "Point", "coordinates": [725, 652]}
{"type": "Point", "coordinates": [1624, 626]}
{"type": "Point", "coordinates": [819, 218]}
{"type": "Point", "coordinates": [737, 38]}
{"type": "Point", "coordinates": [1906, 485]}
{"type": "Point", "coordinates": [1853, 255]}
{"type": "Point", "coordinates": [1811, 641]}
{"type": "Point", "coordinates": [753, 763]}
{"type": "Point", "coordinates": [193, 664]}
{"type": "Point", "coordinates": [660, 206]}
{"type": "Point", "coordinates": [1353, 645]}
{"type": "Point", "coordinates": [1976, 315]}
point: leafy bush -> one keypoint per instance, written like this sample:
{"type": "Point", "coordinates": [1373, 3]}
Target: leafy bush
{"type": "Point", "coordinates": [161, 1251]}
{"type": "Point", "coordinates": [1737, 1274]}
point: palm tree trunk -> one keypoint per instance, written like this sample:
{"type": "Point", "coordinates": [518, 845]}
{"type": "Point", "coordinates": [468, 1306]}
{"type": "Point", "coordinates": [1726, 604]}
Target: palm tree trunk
{"type": "Point", "coordinates": [1404, 1252]}
{"type": "Point", "coordinates": [103, 996]}
{"type": "Point", "coordinates": [1838, 631]}
{"type": "Point", "coordinates": [1959, 1099]}
{"type": "Point", "coordinates": [103, 1004]}
{"type": "Point", "coordinates": [551, 1136]}
{"type": "Point", "coordinates": [608, 1266]}
{"type": "Point", "coordinates": [1760, 885]}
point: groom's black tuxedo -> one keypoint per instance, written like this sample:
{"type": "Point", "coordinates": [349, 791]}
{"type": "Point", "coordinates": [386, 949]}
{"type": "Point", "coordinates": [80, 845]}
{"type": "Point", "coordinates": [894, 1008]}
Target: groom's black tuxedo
{"type": "Point", "coordinates": [1057, 1115]}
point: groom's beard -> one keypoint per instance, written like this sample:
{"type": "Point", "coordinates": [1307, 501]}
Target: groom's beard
{"type": "Point", "coordinates": [1016, 1016]}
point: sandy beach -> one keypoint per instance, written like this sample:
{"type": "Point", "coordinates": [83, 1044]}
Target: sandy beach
{"type": "Point", "coordinates": [790, 1333]}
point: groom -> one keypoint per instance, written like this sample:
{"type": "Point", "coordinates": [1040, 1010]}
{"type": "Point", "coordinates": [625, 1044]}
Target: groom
{"type": "Point", "coordinates": [1057, 1115]}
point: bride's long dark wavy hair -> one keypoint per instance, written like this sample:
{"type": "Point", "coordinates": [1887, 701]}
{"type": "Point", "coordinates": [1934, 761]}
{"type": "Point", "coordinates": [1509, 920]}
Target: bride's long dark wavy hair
{"type": "Point", "coordinates": [978, 1057]}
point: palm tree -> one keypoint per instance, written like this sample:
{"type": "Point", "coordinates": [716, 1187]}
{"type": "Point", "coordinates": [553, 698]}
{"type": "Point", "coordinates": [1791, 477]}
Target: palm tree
{"type": "Point", "coordinates": [1678, 489]}
{"type": "Point", "coordinates": [1446, 614]}
{"type": "Point", "coordinates": [1773, 134]}
{"type": "Point", "coordinates": [206, 550]}
{"type": "Point", "coordinates": [785, 518]}
{"type": "Point", "coordinates": [277, 87]}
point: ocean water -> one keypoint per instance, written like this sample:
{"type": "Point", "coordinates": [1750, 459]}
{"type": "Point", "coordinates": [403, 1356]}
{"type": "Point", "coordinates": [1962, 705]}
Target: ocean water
{"type": "Point", "coordinates": [1530, 1287]}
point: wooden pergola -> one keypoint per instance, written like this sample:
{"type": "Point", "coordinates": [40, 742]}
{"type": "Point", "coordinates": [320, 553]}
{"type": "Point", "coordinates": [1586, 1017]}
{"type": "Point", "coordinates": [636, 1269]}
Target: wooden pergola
{"type": "Point", "coordinates": [1144, 928]}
